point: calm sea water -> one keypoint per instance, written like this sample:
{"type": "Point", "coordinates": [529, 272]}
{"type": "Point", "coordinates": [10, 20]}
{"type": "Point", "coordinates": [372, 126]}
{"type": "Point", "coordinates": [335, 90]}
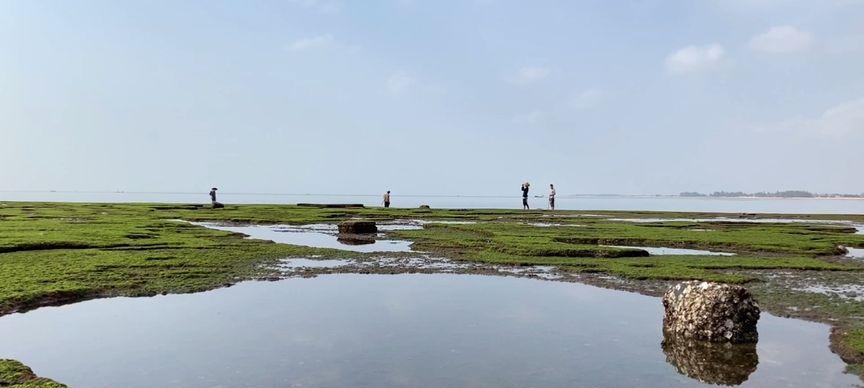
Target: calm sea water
{"type": "Point", "coordinates": [402, 331]}
{"type": "Point", "coordinates": [729, 205]}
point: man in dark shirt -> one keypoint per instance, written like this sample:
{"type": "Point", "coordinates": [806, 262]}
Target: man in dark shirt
{"type": "Point", "coordinates": [525, 187]}
{"type": "Point", "coordinates": [213, 199]}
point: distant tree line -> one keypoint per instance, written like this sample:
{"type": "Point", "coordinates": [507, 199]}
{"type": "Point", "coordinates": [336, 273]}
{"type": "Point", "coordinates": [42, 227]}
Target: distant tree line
{"type": "Point", "coordinates": [765, 194]}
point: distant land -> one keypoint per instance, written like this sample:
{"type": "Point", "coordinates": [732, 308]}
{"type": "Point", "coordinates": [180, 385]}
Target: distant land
{"type": "Point", "coordinates": [765, 194]}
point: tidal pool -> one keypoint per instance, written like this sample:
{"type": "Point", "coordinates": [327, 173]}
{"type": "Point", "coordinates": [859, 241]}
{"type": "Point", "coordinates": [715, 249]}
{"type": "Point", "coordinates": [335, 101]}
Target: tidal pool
{"type": "Point", "coordinates": [660, 251]}
{"type": "Point", "coordinates": [855, 253]}
{"type": "Point", "coordinates": [315, 235]}
{"type": "Point", "coordinates": [440, 330]}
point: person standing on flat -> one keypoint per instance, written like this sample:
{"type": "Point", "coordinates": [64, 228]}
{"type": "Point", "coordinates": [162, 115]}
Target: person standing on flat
{"type": "Point", "coordinates": [387, 199]}
{"type": "Point", "coordinates": [551, 197]}
{"type": "Point", "coordinates": [525, 187]}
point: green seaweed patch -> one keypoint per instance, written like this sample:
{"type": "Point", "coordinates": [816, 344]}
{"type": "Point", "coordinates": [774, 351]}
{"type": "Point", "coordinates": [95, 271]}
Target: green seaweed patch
{"type": "Point", "coordinates": [14, 374]}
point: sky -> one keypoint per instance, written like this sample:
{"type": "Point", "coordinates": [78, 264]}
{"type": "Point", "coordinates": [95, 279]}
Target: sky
{"type": "Point", "coordinates": [432, 97]}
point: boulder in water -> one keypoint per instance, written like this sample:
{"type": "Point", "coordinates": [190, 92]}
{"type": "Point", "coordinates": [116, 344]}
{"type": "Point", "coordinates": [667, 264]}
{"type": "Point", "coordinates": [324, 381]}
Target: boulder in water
{"type": "Point", "coordinates": [358, 227]}
{"type": "Point", "coordinates": [712, 312]}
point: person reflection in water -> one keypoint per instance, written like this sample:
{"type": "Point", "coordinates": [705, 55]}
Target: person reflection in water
{"type": "Point", "coordinates": [525, 187]}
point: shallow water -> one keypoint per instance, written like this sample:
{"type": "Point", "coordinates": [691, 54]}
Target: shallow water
{"type": "Point", "coordinates": [659, 251]}
{"type": "Point", "coordinates": [397, 331]}
{"type": "Point", "coordinates": [855, 253]}
{"type": "Point", "coordinates": [315, 235]}
{"type": "Point", "coordinates": [308, 263]}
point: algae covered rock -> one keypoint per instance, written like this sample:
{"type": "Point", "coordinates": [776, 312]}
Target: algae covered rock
{"type": "Point", "coordinates": [711, 312]}
{"type": "Point", "coordinates": [358, 227]}
{"type": "Point", "coordinates": [15, 374]}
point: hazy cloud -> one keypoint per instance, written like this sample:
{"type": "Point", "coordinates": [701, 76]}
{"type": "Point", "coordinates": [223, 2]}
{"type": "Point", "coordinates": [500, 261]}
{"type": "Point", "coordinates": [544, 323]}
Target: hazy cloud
{"type": "Point", "coordinates": [323, 6]}
{"type": "Point", "coordinates": [399, 82]}
{"type": "Point", "coordinates": [782, 39]}
{"type": "Point", "coordinates": [529, 118]}
{"type": "Point", "coordinates": [587, 99]}
{"type": "Point", "coordinates": [692, 59]}
{"type": "Point", "coordinates": [842, 119]}
{"type": "Point", "coordinates": [530, 74]}
{"type": "Point", "coordinates": [313, 42]}
{"type": "Point", "coordinates": [837, 121]}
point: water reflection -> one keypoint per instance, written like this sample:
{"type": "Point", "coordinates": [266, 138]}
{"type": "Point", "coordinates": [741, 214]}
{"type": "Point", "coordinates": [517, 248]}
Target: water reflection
{"type": "Point", "coordinates": [709, 362]}
{"type": "Point", "coordinates": [317, 235]}
{"type": "Point", "coordinates": [389, 331]}
{"type": "Point", "coordinates": [356, 239]}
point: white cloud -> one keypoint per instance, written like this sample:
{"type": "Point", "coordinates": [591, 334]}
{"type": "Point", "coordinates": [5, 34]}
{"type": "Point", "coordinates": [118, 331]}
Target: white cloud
{"type": "Point", "coordinates": [399, 82]}
{"type": "Point", "coordinates": [530, 74]}
{"type": "Point", "coordinates": [782, 39]}
{"type": "Point", "coordinates": [587, 99]}
{"type": "Point", "coordinates": [313, 42]}
{"type": "Point", "coordinates": [837, 121]}
{"type": "Point", "coordinates": [842, 119]}
{"type": "Point", "coordinates": [693, 59]}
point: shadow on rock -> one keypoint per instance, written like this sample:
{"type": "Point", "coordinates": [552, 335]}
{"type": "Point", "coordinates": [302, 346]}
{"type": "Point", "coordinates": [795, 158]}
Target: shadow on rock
{"type": "Point", "coordinates": [710, 362]}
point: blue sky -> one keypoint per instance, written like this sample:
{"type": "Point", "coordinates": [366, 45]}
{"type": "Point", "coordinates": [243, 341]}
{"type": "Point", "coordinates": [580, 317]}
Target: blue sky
{"type": "Point", "coordinates": [432, 97]}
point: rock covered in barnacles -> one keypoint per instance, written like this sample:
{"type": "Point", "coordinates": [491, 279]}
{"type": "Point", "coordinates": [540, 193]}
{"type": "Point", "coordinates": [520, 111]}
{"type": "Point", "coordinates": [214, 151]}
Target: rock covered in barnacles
{"type": "Point", "coordinates": [710, 312]}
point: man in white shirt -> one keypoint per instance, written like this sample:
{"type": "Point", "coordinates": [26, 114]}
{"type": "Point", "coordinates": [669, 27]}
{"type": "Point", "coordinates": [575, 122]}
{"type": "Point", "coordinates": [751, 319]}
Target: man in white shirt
{"type": "Point", "coordinates": [551, 197]}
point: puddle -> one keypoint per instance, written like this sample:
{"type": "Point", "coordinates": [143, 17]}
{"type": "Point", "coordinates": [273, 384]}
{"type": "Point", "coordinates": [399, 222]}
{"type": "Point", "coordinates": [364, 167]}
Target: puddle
{"type": "Point", "coordinates": [854, 253]}
{"type": "Point", "coordinates": [291, 264]}
{"type": "Point", "coordinates": [402, 330]}
{"type": "Point", "coordinates": [550, 225]}
{"type": "Point", "coordinates": [449, 222]}
{"type": "Point", "coordinates": [660, 251]}
{"type": "Point", "coordinates": [314, 235]}
{"type": "Point", "coordinates": [844, 291]}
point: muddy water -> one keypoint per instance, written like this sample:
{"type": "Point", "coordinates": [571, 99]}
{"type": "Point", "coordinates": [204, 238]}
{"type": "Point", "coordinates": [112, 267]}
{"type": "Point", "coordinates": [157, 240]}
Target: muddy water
{"type": "Point", "coordinates": [401, 331]}
{"type": "Point", "coordinates": [316, 235]}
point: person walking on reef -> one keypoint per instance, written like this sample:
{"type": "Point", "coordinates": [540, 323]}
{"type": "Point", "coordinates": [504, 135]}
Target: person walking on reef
{"type": "Point", "coordinates": [551, 197]}
{"type": "Point", "coordinates": [525, 187]}
{"type": "Point", "coordinates": [213, 199]}
{"type": "Point", "coordinates": [387, 199]}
